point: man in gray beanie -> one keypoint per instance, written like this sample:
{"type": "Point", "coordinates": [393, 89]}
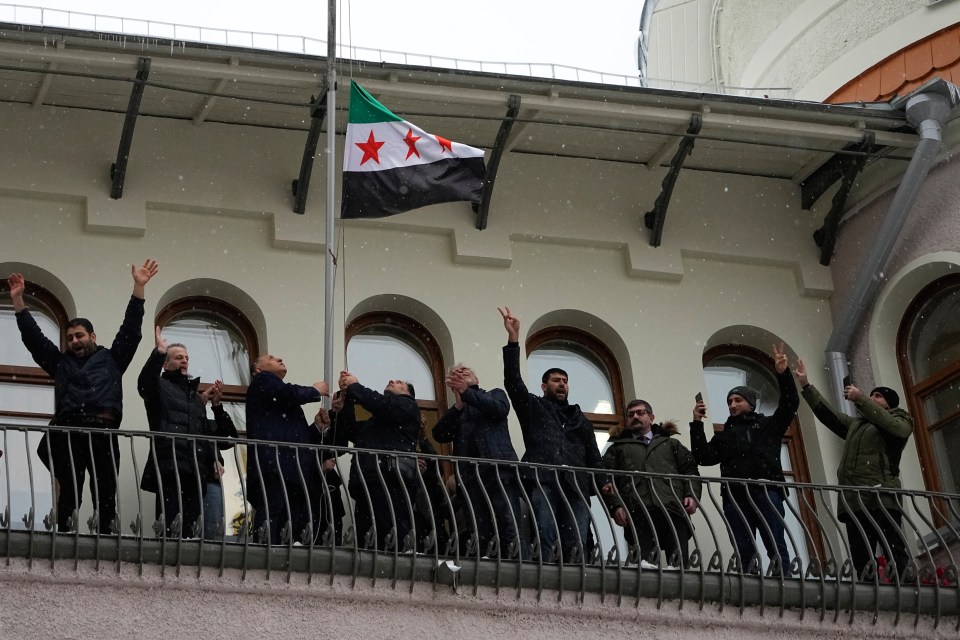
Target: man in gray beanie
{"type": "Point", "coordinates": [873, 443]}
{"type": "Point", "coordinates": [748, 447]}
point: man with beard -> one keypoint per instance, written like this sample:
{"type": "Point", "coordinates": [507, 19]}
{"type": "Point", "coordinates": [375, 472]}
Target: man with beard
{"type": "Point", "coordinates": [279, 476]}
{"type": "Point", "coordinates": [384, 505]}
{"type": "Point", "coordinates": [88, 393]}
{"type": "Point", "coordinates": [658, 508]}
{"type": "Point", "coordinates": [748, 447]}
{"type": "Point", "coordinates": [555, 432]}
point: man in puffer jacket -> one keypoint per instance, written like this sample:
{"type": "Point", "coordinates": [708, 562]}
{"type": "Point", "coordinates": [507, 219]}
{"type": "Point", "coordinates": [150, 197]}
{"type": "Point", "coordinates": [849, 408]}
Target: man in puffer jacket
{"type": "Point", "coordinates": [873, 444]}
{"type": "Point", "coordinates": [187, 462]}
{"type": "Point", "coordinates": [658, 508]}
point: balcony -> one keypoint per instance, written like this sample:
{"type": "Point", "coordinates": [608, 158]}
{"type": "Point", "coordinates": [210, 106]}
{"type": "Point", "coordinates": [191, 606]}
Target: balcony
{"type": "Point", "coordinates": [441, 552]}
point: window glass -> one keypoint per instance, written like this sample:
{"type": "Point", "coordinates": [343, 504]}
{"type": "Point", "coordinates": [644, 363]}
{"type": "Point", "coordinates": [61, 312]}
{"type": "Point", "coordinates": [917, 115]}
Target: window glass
{"type": "Point", "coordinates": [27, 398]}
{"type": "Point", "coordinates": [378, 354]}
{"type": "Point", "coordinates": [217, 349]}
{"type": "Point", "coordinates": [17, 466]}
{"type": "Point", "coordinates": [589, 382]}
{"type": "Point", "coordinates": [12, 351]}
{"type": "Point", "coordinates": [946, 442]}
{"type": "Point", "coordinates": [934, 341]}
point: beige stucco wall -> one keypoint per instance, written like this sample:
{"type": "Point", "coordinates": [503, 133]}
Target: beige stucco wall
{"type": "Point", "coordinates": [811, 47]}
{"type": "Point", "coordinates": [39, 604]}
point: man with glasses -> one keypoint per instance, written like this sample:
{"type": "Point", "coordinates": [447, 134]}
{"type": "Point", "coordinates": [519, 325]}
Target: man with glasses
{"type": "Point", "coordinates": [653, 511]}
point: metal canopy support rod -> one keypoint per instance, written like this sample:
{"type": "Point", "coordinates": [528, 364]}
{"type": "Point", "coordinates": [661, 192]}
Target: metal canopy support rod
{"type": "Point", "coordinates": [301, 186]}
{"type": "Point", "coordinates": [655, 218]}
{"type": "Point", "coordinates": [499, 145]}
{"type": "Point", "coordinates": [118, 170]}
{"type": "Point", "coordinates": [826, 235]}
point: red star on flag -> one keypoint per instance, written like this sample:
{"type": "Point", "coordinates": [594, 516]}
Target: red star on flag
{"type": "Point", "coordinates": [445, 145]}
{"type": "Point", "coordinates": [411, 141]}
{"type": "Point", "coordinates": [370, 148]}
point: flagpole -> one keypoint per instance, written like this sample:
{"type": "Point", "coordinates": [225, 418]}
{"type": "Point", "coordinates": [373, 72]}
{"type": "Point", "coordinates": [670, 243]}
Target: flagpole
{"type": "Point", "coordinates": [330, 268]}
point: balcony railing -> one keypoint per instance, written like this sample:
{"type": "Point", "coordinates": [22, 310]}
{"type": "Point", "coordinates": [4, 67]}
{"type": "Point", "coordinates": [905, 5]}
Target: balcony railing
{"type": "Point", "coordinates": [468, 523]}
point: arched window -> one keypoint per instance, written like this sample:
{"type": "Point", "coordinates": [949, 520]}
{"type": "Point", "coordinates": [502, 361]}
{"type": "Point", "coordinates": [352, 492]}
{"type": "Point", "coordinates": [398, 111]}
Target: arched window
{"type": "Point", "coordinates": [729, 366]}
{"type": "Point", "coordinates": [26, 399]}
{"type": "Point", "coordinates": [382, 346]}
{"type": "Point", "coordinates": [928, 350]}
{"type": "Point", "coordinates": [595, 382]}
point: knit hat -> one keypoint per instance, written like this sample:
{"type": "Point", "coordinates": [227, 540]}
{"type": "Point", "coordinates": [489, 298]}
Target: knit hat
{"type": "Point", "coordinates": [893, 400]}
{"type": "Point", "coordinates": [748, 394]}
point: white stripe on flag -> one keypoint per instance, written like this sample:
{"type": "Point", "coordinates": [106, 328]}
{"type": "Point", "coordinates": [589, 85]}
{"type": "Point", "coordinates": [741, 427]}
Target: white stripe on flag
{"type": "Point", "coordinates": [395, 150]}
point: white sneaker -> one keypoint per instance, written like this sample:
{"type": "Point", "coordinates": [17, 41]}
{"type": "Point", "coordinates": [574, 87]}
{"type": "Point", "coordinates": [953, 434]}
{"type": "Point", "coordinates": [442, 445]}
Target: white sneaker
{"type": "Point", "coordinates": [647, 565]}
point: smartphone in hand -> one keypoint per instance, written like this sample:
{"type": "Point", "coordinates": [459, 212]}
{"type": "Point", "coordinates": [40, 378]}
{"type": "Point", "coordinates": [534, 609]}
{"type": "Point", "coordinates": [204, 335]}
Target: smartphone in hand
{"type": "Point", "coordinates": [846, 381]}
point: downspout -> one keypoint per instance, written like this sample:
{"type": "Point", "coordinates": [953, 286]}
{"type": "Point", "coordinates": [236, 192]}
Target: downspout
{"type": "Point", "coordinates": [927, 109]}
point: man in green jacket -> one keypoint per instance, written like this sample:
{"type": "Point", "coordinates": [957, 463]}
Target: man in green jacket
{"type": "Point", "coordinates": [874, 443]}
{"type": "Point", "coordinates": [654, 511]}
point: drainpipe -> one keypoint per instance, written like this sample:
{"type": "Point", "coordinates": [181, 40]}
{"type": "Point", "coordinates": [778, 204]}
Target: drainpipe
{"type": "Point", "coordinates": [927, 109]}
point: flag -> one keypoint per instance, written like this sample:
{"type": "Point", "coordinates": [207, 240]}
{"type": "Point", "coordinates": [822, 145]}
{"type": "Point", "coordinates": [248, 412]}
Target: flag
{"type": "Point", "coordinates": [391, 166]}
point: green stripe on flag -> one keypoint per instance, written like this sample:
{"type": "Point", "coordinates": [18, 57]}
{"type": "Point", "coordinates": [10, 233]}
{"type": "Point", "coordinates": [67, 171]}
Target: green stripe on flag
{"type": "Point", "coordinates": [365, 109]}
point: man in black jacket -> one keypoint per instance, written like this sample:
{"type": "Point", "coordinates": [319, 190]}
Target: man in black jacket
{"type": "Point", "coordinates": [394, 426]}
{"type": "Point", "coordinates": [88, 393]}
{"type": "Point", "coordinates": [185, 462]}
{"type": "Point", "coordinates": [476, 424]}
{"type": "Point", "coordinates": [749, 447]}
{"type": "Point", "coordinates": [555, 432]}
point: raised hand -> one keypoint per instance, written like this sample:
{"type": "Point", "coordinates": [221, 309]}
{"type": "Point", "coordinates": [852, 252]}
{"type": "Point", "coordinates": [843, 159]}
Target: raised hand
{"type": "Point", "coordinates": [699, 411]}
{"type": "Point", "coordinates": [346, 379]}
{"type": "Point", "coordinates": [800, 370]}
{"type": "Point", "coordinates": [322, 419]}
{"type": "Point", "coordinates": [511, 324]}
{"type": "Point", "coordinates": [322, 387]}
{"type": "Point", "coordinates": [17, 285]}
{"type": "Point", "coordinates": [141, 276]}
{"type": "Point", "coordinates": [213, 393]}
{"type": "Point", "coordinates": [337, 404]}
{"type": "Point", "coordinates": [779, 359]}
{"type": "Point", "coordinates": [852, 393]}
{"type": "Point", "coordinates": [161, 342]}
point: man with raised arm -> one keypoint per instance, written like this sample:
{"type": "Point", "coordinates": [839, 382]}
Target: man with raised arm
{"type": "Point", "coordinates": [873, 444]}
{"type": "Point", "coordinates": [476, 424]}
{"type": "Point", "coordinates": [88, 393]}
{"type": "Point", "coordinates": [555, 432]}
{"type": "Point", "coordinates": [186, 463]}
{"type": "Point", "coordinates": [749, 447]}
{"type": "Point", "coordinates": [278, 476]}
{"type": "Point", "coordinates": [394, 425]}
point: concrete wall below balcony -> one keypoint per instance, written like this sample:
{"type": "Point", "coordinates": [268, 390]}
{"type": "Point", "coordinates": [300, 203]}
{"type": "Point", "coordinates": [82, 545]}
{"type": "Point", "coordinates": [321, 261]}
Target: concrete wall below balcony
{"type": "Point", "coordinates": [39, 603]}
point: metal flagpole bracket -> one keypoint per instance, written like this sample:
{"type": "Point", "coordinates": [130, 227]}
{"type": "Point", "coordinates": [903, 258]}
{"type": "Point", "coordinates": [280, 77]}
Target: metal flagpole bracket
{"type": "Point", "coordinates": [852, 165]}
{"type": "Point", "coordinates": [118, 170]}
{"type": "Point", "coordinates": [655, 218]}
{"type": "Point", "coordinates": [499, 145]}
{"type": "Point", "coordinates": [301, 186]}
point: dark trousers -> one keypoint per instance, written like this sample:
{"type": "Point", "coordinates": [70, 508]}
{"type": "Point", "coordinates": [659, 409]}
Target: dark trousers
{"type": "Point", "coordinates": [276, 494]}
{"type": "Point", "coordinates": [184, 499]}
{"type": "Point", "coordinates": [391, 510]}
{"type": "Point", "coordinates": [863, 550]}
{"type": "Point", "coordinates": [759, 511]}
{"type": "Point", "coordinates": [563, 522]}
{"type": "Point", "coordinates": [496, 521]}
{"type": "Point", "coordinates": [329, 512]}
{"type": "Point", "coordinates": [73, 454]}
{"type": "Point", "coordinates": [660, 530]}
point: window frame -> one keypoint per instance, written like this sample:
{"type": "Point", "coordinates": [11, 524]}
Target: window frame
{"type": "Point", "coordinates": [601, 421]}
{"type": "Point", "coordinates": [35, 297]}
{"type": "Point", "coordinates": [917, 391]}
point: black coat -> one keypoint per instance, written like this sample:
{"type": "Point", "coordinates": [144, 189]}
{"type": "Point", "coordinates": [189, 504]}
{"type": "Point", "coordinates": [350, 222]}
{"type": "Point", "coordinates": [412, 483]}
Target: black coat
{"type": "Point", "coordinates": [479, 430]}
{"type": "Point", "coordinates": [554, 432]}
{"type": "Point", "coordinates": [749, 445]}
{"type": "Point", "coordinates": [174, 406]}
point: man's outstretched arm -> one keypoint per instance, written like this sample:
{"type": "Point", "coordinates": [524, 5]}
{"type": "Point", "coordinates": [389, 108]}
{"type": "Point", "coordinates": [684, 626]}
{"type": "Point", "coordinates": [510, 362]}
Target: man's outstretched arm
{"type": "Point", "coordinates": [45, 353]}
